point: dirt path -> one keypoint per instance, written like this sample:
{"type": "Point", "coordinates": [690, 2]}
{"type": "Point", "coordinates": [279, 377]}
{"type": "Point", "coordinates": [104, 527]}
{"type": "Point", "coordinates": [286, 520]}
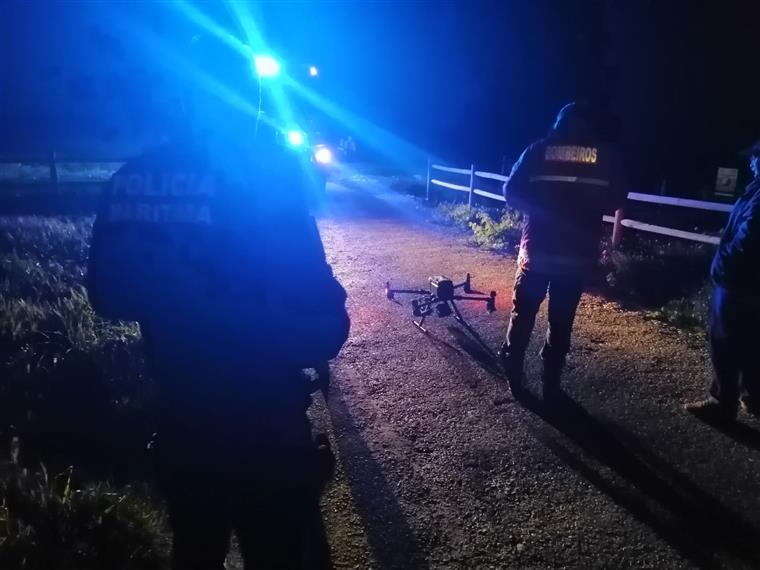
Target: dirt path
{"type": "Point", "coordinates": [441, 468]}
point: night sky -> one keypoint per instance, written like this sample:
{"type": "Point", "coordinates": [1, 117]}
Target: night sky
{"type": "Point", "coordinates": [463, 80]}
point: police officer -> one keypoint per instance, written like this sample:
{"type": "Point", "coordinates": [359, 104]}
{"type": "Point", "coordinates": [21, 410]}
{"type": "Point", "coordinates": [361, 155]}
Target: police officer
{"type": "Point", "coordinates": [735, 314]}
{"type": "Point", "coordinates": [562, 184]}
{"type": "Point", "coordinates": [205, 242]}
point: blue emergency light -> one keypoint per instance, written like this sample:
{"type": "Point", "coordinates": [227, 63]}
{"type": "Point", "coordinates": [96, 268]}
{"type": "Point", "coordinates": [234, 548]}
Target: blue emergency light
{"type": "Point", "coordinates": [266, 66]}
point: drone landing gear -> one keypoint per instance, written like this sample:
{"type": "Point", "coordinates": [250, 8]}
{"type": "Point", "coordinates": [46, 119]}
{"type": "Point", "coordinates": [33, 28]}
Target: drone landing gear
{"type": "Point", "coordinates": [443, 309]}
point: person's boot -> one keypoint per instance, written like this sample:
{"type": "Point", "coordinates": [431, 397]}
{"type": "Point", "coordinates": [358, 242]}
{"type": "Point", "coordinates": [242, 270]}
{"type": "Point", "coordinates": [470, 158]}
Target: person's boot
{"type": "Point", "coordinates": [513, 368]}
{"type": "Point", "coordinates": [551, 380]}
{"type": "Point", "coordinates": [751, 405]}
{"type": "Point", "coordinates": [713, 411]}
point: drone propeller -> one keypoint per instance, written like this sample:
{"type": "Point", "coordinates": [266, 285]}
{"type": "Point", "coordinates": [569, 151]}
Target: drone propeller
{"type": "Point", "coordinates": [388, 291]}
{"type": "Point", "coordinates": [467, 285]}
{"type": "Point", "coordinates": [491, 302]}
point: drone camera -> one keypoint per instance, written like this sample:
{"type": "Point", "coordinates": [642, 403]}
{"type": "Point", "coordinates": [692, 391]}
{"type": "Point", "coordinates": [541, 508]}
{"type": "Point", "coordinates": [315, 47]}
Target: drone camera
{"type": "Point", "coordinates": [442, 287]}
{"type": "Point", "coordinates": [442, 309]}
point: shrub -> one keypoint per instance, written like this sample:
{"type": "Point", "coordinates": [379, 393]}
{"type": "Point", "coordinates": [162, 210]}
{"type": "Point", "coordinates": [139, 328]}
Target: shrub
{"type": "Point", "coordinates": [459, 215]}
{"type": "Point", "coordinates": [652, 271]}
{"type": "Point", "coordinates": [667, 277]}
{"type": "Point", "coordinates": [490, 227]}
{"type": "Point", "coordinates": [689, 312]}
{"type": "Point", "coordinates": [497, 234]}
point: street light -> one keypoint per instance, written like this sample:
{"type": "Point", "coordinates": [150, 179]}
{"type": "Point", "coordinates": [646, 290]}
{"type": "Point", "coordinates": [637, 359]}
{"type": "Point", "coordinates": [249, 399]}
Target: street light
{"type": "Point", "coordinates": [266, 66]}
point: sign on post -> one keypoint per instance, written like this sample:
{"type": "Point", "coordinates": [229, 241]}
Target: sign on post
{"type": "Point", "coordinates": [725, 182]}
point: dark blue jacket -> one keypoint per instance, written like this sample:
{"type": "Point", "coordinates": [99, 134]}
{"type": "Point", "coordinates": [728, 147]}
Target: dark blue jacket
{"type": "Point", "coordinates": [564, 184]}
{"type": "Point", "coordinates": [736, 265]}
{"type": "Point", "coordinates": [211, 250]}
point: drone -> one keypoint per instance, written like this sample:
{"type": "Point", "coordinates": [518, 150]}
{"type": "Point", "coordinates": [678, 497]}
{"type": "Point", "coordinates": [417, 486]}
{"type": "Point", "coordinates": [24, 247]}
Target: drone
{"type": "Point", "coordinates": [440, 299]}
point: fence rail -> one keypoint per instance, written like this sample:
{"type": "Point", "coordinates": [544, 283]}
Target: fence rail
{"type": "Point", "coordinates": [450, 186]}
{"type": "Point", "coordinates": [491, 175]}
{"type": "Point", "coordinates": [54, 170]}
{"type": "Point", "coordinates": [618, 220]}
{"type": "Point", "coordinates": [683, 202]}
{"type": "Point", "coordinates": [450, 169]}
{"type": "Point", "coordinates": [53, 161]}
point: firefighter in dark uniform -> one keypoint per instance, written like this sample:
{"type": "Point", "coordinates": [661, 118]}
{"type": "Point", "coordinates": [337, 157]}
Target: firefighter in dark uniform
{"type": "Point", "coordinates": [735, 314]}
{"type": "Point", "coordinates": [563, 184]}
{"type": "Point", "coordinates": [205, 242]}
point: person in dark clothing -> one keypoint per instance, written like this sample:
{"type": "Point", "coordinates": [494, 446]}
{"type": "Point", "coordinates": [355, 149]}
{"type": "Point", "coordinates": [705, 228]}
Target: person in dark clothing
{"type": "Point", "coordinates": [735, 311]}
{"type": "Point", "coordinates": [563, 184]}
{"type": "Point", "coordinates": [205, 241]}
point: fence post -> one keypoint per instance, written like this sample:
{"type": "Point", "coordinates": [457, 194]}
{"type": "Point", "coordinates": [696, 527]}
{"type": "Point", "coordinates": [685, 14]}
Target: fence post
{"type": "Point", "coordinates": [472, 187]}
{"type": "Point", "coordinates": [53, 172]}
{"type": "Point", "coordinates": [617, 228]}
{"type": "Point", "coordinates": [427, 187]}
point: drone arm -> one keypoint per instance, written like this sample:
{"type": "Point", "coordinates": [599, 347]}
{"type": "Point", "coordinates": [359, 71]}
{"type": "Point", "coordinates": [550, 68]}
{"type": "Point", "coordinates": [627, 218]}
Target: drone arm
{"type": "Point", "coordinates": [410, 291]}
{"type": "Point", "coordinates": [470, 298]}
{"type": "Point", "coordinates": [489, 300]}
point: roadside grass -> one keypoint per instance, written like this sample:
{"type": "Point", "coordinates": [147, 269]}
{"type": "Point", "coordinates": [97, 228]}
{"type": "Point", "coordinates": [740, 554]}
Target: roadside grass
{"type": "Point", "coordinates": [74, 390]}
{"type": "Point", "coordinates": [46, 522]}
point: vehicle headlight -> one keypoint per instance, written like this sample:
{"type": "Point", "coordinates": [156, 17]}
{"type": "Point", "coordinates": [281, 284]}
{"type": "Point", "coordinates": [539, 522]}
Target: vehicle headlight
{"type": "Point", "coordinates": [323, 155]}
{"type": "Point", "coordinates": [296, 138]}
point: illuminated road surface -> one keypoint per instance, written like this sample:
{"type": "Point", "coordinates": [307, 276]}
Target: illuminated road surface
{"type": "Point", "coordinates": [440, 468]}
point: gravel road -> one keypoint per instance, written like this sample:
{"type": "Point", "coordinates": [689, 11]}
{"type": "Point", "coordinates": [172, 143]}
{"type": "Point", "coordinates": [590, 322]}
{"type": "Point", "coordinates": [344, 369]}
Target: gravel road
{"type": "Point", "coordinates": [439, 467]}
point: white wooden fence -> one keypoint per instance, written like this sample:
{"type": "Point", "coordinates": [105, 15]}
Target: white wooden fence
{"type": "Point", "coordinates": [618, 220]}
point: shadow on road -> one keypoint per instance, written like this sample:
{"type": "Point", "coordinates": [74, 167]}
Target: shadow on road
{"type": "Point", "coordinates": [655, 493]}
{"type": "Point", "coordinates": [468, 348]}
{"type": "Point", "coordinates": [743, 434]}
{"type": "Point", "coordinates": [474, 345]}
{"type": "Point", "coordinates": [388, 532]}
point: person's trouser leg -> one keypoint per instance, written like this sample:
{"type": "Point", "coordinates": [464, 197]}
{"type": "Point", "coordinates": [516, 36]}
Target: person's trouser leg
{"type": "Point", "coordinates": [748, 331]}
{"type": "Point", "coordinates": [272, 525]}
{"type": "Point", "coordinates": [528, 294]}
{"type": "Point", "coordinates": [272, 516]}
{"type": "Point", "coordinates": [724, 345]}
{"type": "Point", "coordinates": [751, 377]}
{"type": "Point", "coordinates": [200, 533]}
{"type": "Point", "coordinates": [564, 296]}
{"type": "Point", "coordinates": [196, 500]}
